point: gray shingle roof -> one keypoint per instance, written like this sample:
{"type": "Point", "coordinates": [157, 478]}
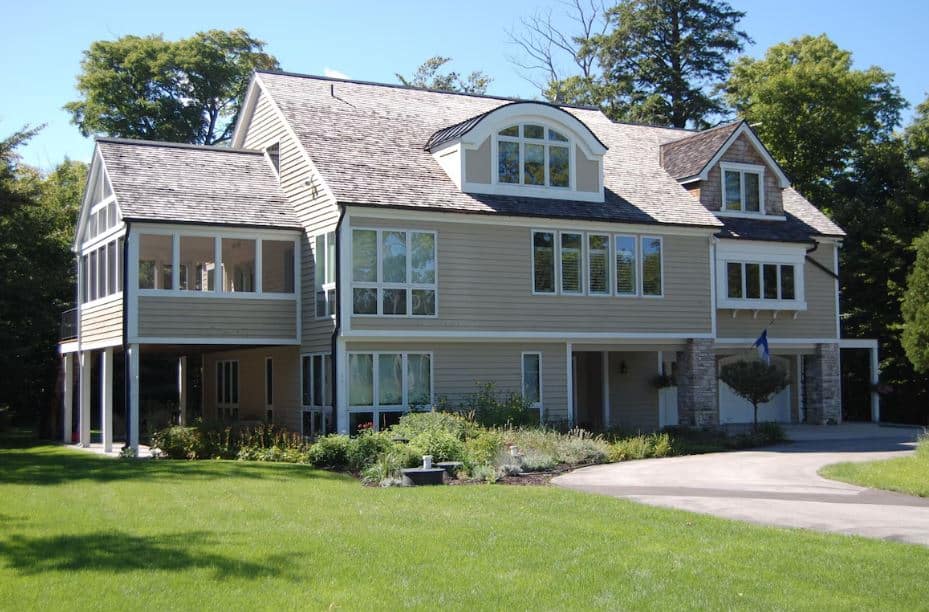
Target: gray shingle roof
{"type": "Point", "coordinates": [194, 184]}
{"type": "Point", "coordinates": [803, 222]}
{"type": "Point", "coordinates": [688, 156]}
{"type": "Point", "coordinates": [368, 141]}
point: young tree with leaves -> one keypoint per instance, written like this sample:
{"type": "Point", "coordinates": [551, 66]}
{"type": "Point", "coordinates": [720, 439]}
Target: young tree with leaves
{"type": "Point", "coordinates": [429, 76]}
{"type": "Point", "coordinates": [755, 381]}
{"type": "Point", "coordinates": [188, 90]}
{"type": "Point", "coordinates": [916, 308]}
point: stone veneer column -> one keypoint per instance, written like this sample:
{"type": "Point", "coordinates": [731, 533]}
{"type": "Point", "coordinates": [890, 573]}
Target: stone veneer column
{"type": "Point", "coordinates": [823, 385]}
{"type": "Point", "coordinates": [697, 386]}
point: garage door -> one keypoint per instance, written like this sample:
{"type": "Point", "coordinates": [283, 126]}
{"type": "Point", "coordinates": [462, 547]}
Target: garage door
{"type": "Point", "coordinates": [734, 409]}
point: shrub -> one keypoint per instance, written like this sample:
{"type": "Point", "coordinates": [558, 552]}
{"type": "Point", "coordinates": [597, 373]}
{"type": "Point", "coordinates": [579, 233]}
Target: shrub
{"type": "Point", "coordinates": [442, 445]}
{"type": "Point", "coordinates": [577, 447]}
{"type": "Point", "coordinates": [364, 449]}
{"type": "Point", "coordinates": [180, 442]}
{"type": "Point", "coordinates": [385, 469]}
{"type": "Point", "coordinates": [642, 446]}
{"type": "Point", "coordinates": [485, 472]}
{"type": "Point", "coordinates": [271, 443]}
{"type": "Point", "coordinates": [485, 447]}
{"type": "Point", "coordinates": [771, 433]}
{"type": "Point", "coordinates": [414, 423]}
{"type": "Point", "coordinates": [330, 452]}
{"type": "Point", "coordinates": [537, 461]}
{"type": "Point", "coordinates": [489, 410]}
{"type": "Point", "coordinates": [661, 446]}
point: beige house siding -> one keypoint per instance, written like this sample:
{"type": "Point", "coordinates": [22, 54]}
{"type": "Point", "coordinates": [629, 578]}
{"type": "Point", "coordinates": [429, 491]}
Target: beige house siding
{"type": "Point", "coordinates": [103, 322]}
{"type": "Point", "coordinates": [710, 191]}
{"type": "Point", "coordinates": [587, 173]}
{"type": "Point", "coordinates": [179, 317]}
{"type": "Point", "coordinates": [485, 283]}
{"type": "Point", "coordinates": [315, 209]}
{"type": "Point", "coordinates": [633, 397]}
{"type": "Point", "coordinates": [817, 321]}
{"type": "Point", "coordinates": [478, 164]}
{"type": "Point", "coordinates": [458, 366]}
{"type": "Point", "coordinates": [286, 384]}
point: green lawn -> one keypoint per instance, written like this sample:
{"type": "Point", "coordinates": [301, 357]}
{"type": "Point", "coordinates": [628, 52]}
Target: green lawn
{"type": "Point", "coordinates": [906, 474]}
{"type": "Point", "coordinates": [84, 532]}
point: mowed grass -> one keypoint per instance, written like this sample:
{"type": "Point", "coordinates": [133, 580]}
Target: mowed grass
{"type": "Point", "coordinates": [85, 532]}
{"type": "Point", "coordinates": [905, 474]}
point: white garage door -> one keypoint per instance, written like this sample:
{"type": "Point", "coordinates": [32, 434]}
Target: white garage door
{"type": "Point", "coordinates": [734, 409]}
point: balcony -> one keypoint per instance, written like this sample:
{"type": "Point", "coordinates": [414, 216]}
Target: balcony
{"type": "Point", "coordinates": [69, 325]}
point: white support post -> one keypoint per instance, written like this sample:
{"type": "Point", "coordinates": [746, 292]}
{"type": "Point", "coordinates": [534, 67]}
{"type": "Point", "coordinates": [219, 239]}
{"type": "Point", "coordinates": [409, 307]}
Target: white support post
{"type": "Point", "coordinates": [569, 373]}
{"type": "Point", "coordinates": [84, 414]}
{"type": "Point", "coordinates": [341, 357]}
{"type": "Point", "coordinates": [106, 399]}
{"type": "Point", "coordinates": [875, 378]}
{"type": "Point", "coordinates": [133, 424]}
{"type": "Point", "coordinates": [68, 398]}
{"type": "Point", "coordinates": [605, 375]}
{"type": "Point", "coordinates": [182, 388]}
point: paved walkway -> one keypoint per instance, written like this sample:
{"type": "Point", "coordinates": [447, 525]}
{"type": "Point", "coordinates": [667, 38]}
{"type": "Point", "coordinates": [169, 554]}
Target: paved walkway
{"type": "Point", "coordinates": [777, 485]}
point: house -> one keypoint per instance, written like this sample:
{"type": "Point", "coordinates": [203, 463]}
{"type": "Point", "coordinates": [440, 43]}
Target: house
{"type": "Point", "coordinates": [363, 248]}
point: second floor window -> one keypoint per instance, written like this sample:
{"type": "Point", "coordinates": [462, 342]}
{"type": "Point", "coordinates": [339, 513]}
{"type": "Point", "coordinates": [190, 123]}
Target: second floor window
{"type": "Point", "coordinates": [393, 272]}
{"type": "Point", "coordinates": [760, 281]}
{"type": "Point", "coordinates": [742, 188]}
{"type": "Point", "coordinates": [324, 275]}
{"type": "Point", "coordinates": [530, 154]}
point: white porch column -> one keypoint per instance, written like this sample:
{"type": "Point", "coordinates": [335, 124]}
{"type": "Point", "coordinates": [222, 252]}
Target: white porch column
{"type": "Point", "coordinates": [84, 401]}
{"type": "Point", "coordinates": [106, 399]}
{"type": "Point", "coordinates": [569, 373]}
{"type": "Point", "coordinates": [605, 381]}
{"type": "Point", "coordinates": [341, 400]}
{"type": "Point", "coordinates": [875, 378]}
{"type": "Point", "coordinates": [182, 388]}
{"type": "Point", "coordinates": [67, 398]}
{"type": "Point", "coordinates": [133, 424]}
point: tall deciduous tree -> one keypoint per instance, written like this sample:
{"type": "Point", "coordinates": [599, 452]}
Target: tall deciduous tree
{"type": "Point", "coordinates": [812, 109]}
{"type": "Point", "coordinates": [188, 90]}
{"type": "Point", "coordinates": [916, 308]}
{"type": "Point", "coordinates": [429, 75]}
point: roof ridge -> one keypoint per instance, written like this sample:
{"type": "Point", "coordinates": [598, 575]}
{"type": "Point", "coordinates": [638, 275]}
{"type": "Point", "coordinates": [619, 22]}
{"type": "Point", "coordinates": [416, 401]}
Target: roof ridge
{"type": "Point", "coordinates": [175, 145]}
{"type": "Point", "coordinates": [318, 77]}
{"type": "Point", "coordinates": [704, 132]}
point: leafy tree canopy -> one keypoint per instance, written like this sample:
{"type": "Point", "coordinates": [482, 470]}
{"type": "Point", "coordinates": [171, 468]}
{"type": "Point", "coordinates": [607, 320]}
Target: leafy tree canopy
{"type": "Point", "coordinates": [754, 380]}
{"type": "Point", "coordinates": [429, 75]}
{"type": "Point", "coordinates": [812, 109]}
{"type": "Point", "coordinates": [188, 90]}
{"type": "Point", "coordinates": [916, 308]}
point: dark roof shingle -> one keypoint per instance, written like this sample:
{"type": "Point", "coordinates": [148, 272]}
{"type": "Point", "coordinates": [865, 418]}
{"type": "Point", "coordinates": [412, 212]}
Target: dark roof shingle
{"type": "Point", "coordinates": [688, 156]}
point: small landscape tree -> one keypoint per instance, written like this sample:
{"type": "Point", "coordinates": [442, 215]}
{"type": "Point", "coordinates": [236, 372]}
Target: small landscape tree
{"type": "Point", "coordinates": [754, 380]}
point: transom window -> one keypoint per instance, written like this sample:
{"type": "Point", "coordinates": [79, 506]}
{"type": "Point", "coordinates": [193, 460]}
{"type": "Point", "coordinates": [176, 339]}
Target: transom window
{"type": "Point", "coordinates": [382, 386]}
{"type": "Point", "coordinates": [760, 281]}
{"type": "Point", "coordinates": [575, 263]}
{"type": "Point", "coordinates": [533, 154]}
{"type": "Point", "coordinates": [393, 272]}
{"type": "Point", "coordinates": [743, 188]}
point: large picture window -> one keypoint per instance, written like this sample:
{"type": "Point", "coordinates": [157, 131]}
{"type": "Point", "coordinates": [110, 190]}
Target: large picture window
{"type": "Point", "coordinates": [742, 188]}
{"type": "Point", "coordinates": [384, 385]}
{"type": "Point", "coordinates": [760, 281]}
{"type": "Point", "coordinates": [393, 272]}
{"type": "Point", "coordinates": [532, 154]}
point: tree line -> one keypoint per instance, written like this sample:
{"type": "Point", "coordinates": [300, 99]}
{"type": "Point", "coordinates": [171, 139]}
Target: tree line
{"type": "Point", "coordinates": [836, 131]}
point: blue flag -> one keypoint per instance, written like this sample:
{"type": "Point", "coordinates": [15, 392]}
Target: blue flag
{"type": "Point", "coordinates": [762, 345]}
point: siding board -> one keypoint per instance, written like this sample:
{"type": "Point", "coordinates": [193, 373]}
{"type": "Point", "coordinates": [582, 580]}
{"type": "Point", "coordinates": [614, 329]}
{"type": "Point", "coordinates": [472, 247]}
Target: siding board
{"type": "Point", "coordinates": [101, 323]}
{"type": "Point", "coordinates": [178, 317]}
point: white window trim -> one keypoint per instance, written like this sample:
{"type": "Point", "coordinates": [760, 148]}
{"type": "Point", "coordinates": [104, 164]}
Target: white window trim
{"type": "Point", "coordinates": [610, 264]}
{"type": "Point", "coordinates": [522, 141]}
{"type": "Point", "coordinates": [585, 245]}
{"type": "Point", "coordinates": [643, 238]}
{"type": "Point", "coordinates": [522, 379]}
{"type": "Point", "coordinates": [376, 408]}
{"type": "Point", "coordinates": [380, 285]}
{"type": "Point", "coordinates": [581, 257]}
{"type": "Point", "coordinates": [760, 253]}
{"type": "Point", "coordinates": [221, 405]}
{"type": "Point", "coordinates": [311, 356]}
{"type": "Point", "coordinates": [742, 170]}
{"type": "Point", "coordinates": [325, 287]}
{"type": "Point", "coordinates": [104, 247]}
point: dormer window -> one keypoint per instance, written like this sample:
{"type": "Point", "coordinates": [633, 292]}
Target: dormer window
{"type": "Point", "coordinates": [743, 188]}
{"type": "Point", "coordinates": [533, 154]}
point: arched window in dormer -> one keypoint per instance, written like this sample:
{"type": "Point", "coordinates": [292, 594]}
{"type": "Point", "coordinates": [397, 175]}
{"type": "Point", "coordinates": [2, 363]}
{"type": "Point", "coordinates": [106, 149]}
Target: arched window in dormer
{"type": "Point", "coordinates": [533, 154]}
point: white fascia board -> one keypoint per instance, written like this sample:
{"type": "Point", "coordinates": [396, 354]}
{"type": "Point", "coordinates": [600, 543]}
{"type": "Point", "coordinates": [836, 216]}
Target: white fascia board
{"type": "Point", "coordinates": [450, 158]}
{"type": "Point", "coordinates": [217, 230]}
{"type": "Point", "coordinates": [527, 336]}
{"type": "Point", "coordinates": [244, 119]}
{"type": "Point", "coordinates": [744, 129]}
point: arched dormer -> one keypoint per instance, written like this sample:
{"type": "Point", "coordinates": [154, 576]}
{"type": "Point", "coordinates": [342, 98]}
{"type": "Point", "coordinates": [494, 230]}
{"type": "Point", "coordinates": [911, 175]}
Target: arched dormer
{"type": "Point", "coordinates": [523, 149]}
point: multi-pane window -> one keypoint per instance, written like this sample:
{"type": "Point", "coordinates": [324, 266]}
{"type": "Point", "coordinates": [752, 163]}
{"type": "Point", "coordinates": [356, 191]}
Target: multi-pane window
{"type": "Point", "coordinates": [635, 263]}
{"type": "Point", "coordinates": [384, 385]}
{"type": "Point", "coordinates": [316, 396]}
{"type": "Point", "coordinates": [227, 387]}
{"type": "Point", "coordinates": [393, 272]}
{"type": "Point", "coordinates": [102, 270]}
{"type": "Point", "coordinates": [531, 154]}
{"type": "Point", "coordinates": [104, 218]}
{"type": "Point", "coordinates": [532, 379]}
{"type": "Point", "coordinates": [324, 274]}
{"type": "Point", "coordinates": [760, 281]}
{"type": "Point", "coordinates": [742, 189]}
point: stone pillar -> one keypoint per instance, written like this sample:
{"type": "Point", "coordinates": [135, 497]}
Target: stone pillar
{"type": "Point", "coordinates": [106, 399]}
{"type": "Point", "coordinates": [823, 385]}
{"type": "Point", "coordinates": [68, 398]}
{"type": "Point", "coordinates": [697, 386]}
{"type": "Point", "coordinates": [84, 401]}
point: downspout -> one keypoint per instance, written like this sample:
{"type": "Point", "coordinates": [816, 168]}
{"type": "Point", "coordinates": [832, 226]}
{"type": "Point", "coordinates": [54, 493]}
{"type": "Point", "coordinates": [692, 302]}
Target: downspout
{"type": "Point", "coordinates": [126, 361]}
{"type": "Point", "coordinates": [333, 382]}
{"type": "Point", "coordinates": [817, 264]}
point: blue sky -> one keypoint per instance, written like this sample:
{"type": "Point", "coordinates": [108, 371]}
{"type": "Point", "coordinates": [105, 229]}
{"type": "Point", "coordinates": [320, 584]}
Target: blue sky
{"type": "Point", "coordinates": [41, 43]}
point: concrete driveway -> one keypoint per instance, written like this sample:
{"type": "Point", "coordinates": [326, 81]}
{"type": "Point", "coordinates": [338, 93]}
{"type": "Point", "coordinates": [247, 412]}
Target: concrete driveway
{"type": "Point", "coordinates": [777, 485]}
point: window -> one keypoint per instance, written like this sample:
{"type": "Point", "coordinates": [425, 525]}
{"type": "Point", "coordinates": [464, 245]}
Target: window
{"type": "Point", "coordinates": [532, 379]}
{"type": "Point", "coordinates": [626, 265]}
{"type": "Point", "coordinates": [155, 257]}
{"type": "Point", "coordinates": [324, 274]}
{"type": "Point", "coordinates": [274, 156]}
{"type": "Point", "coordinates": [598, 264]}
{"type": "Point", "coordinates": [742, 188]}
{"type": "Point", "coordinates": [92, 274]}
{"type": "Point", "coordinates": [269, 382]}
{"type": "Point", "coordinates": [531, 154]}
{"type": "Point", "coordinates": [227, 388]}
{"type": "Point", "coordinates": [543, 262]}
{"type": "Point", "coordinates": [572, 249]}
{"type": "Point", "coordinates": [198, 263]}
{"type": "Point", "coordinates": [277, 266]}
{"type": "Point", "coordinates": [112, 264]}
{"type": "Point", "coordinates": [651, 266]}
{"type": "Point", "coordinates": [393, 272]}
{"type": "Point", "coordinates": [238, 257]}
{"type": "Point", "coordinates": [760, 281]}
{"type": "Point", "coordinates": [316, 370]}
{"type": "Point", "coordinates": [384, 385]}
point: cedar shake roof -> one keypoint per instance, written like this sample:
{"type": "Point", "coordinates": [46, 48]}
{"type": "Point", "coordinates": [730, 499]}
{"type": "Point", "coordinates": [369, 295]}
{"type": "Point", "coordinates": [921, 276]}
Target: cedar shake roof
{"type": "Point", "coordinates": [368, 143]}
{"type": "Point", "coordinates": [157, 181]}
{"type": "Point", "coordinates": [688, 156]}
